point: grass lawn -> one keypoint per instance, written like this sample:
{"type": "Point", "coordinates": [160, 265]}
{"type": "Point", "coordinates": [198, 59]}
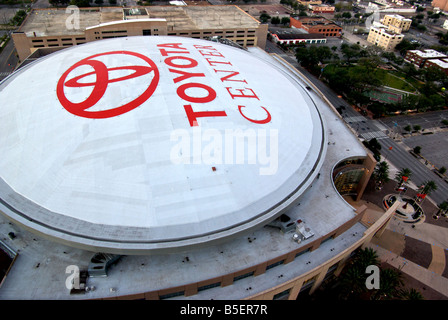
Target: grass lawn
{"type": "Point", "coordinates": [391, 80]}
{"type": "Point", "coordinates": [388, 78]}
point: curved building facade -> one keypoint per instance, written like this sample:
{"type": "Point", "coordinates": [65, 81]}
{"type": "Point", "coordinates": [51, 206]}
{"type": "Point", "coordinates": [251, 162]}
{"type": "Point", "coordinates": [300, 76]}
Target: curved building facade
{"type": "Point", "coordinates": [123, 147]}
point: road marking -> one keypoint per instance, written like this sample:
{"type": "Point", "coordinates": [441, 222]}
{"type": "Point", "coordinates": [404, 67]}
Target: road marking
{"type": "Point", "coordinates": [374, 134]}
{"type": "Point", "coordinates": [4, 74]}
{"type": "Point", "coordinates": [355, 119]}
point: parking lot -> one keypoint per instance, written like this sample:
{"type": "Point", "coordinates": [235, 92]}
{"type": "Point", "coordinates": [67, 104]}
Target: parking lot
{"type": "Point", "coordinates": [434, 147]}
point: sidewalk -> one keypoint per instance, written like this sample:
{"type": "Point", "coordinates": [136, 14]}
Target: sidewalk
{"type": "Point", "coordinates": [425, 276]}
{"type": "Point", "coordinates": [420, 252]}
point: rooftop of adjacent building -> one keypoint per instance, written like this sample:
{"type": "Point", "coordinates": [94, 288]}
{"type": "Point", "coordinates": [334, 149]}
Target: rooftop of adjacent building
{"type": "Point", "coordinates": [316, 21]}
{"type": "Point", "coordinates": [44, 22]}
{"type": "Point", "coordinates": [428, 53]}
{"type": "Point", "coordinates": [397, 16]}
{"type": "Point", "coordinates": [384, 30]}
{"type": "Point", "coordinates": [442, 63]}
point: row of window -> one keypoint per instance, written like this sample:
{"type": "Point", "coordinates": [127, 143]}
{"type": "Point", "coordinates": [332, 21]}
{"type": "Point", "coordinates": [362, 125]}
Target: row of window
{"type": "Point", "coordinates": [327, 30]}
{"type": "Point", "coordinates": [56, 40]}
{"type": "Point", "coordinates": [251, 273]}
{"type": "Point", "coordinates": [306, 41]}
{"type": "Point", "coordinates": [239, 33]}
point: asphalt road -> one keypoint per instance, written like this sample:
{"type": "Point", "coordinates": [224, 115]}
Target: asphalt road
{"type": "Point", "coordinates": [367, 129]}
{"type": "Point", "coordinates": [8, 60]}
{"type": "Point", "coordinates": [426, 120]}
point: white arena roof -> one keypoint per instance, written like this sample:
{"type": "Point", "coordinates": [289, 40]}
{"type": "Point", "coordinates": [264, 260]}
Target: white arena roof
{"type": "Point", "coordinates": [132, 145]}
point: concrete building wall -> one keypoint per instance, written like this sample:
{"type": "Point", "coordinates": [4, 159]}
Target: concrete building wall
{"type": "Point", "coordinates": [397, 23]}
{"type": "Point", "coordinates": [290, 289]}
{"type": "Point", "coordinates": [442, 4]}
{"type": "Point", "coordinates": [384, 39]}
{"type": "Point", "coordinates": [26, 43]}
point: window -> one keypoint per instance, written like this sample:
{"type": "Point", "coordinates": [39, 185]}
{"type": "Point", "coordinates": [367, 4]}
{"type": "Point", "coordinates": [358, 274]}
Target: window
{"type": "Point", "coordinates": [282, 295]}
{"type": "Point", "coordinates": [114, 31]}
{"type": "Point", "coordinates": [246, 275]}
{"type": "Point", "coordinates": [302, 252]}
{"type": "Point", "coordinates": [34, 41]}
{"type": "Point", "coordinates": [66, 39]}
{"type": "Point", "coordinates": [275, 264]}
{"type": "Point", "coordinates": [326, 239]}
{"type": "Point", "coordinates": [209, 286]}
{"type": "Point", "coordinates": [52, 40]}
{"type": "Point", "coordinates": [171, 295]}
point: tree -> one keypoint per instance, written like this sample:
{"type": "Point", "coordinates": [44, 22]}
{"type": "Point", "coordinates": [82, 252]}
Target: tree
{"type": "Point", "coordinates": [443, 209]}
{"type": "Point", "coordinates": [353, 280]}
{"type": "Point", "coordinates": [311, 56]}
{"type": "Point", "coordinates": [417, 149]}
{"type": "Point", "coordinates": [374, 146]}
{"type": "Point", "coordinates": [350, 51]}
{"type": "Point", "coordinates": [285, 21]}
{"type": "Point", "coordinates": [381, 173]}
{"type": "Point", "coordinates": [390, 283]}
{"type": "Point", "coordinates": [433, 73]}
{"type": "Point", "coordinates": [411, 294]}
{"type": "Point", "coordinates": [406, 45]}
{"type": "Point", "coordinates": [264, 17]}
{"type": "Point", "coordinates": [275, 20]}
{"type": "Point", "coordinates": [428, 187]}
{"type": "Point", "coordinates": [404, 172]}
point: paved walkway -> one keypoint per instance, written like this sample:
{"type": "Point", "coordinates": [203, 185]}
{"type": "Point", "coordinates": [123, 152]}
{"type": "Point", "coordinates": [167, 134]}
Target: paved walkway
{"type": "Point", "coordinates": [420, 252]}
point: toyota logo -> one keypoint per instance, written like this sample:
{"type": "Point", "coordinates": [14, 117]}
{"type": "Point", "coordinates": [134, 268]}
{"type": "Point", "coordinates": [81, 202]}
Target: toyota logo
{"type": "Point", "coordinates": [97, 83]}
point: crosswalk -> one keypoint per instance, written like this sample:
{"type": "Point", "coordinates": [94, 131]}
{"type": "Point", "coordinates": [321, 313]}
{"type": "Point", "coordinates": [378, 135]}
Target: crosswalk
{"type": "Point", "coordinates": [354, 119]}
{"type": "Point", "coordinates": [374, 134]}
{"type": "Point", "coordinates": [5, 74]}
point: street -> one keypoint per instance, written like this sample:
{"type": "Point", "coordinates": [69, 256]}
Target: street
{"type": "Point", "coordinates": [367, 129]}
{"type": "Point", "coordinates": [8, 60]}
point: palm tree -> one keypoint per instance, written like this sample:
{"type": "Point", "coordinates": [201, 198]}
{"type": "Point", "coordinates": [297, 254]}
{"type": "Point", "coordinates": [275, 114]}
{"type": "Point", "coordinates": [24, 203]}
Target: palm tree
{"type": "Point", "coordinates": [390, 284]}
{"type": "Point", "coordinates": [411, 294]}
{"type": "Point", "coordinates": [352, 283]}
{"type": "Point", "coordinates": [428, 187]}
{"type": "Point", "coordinates": [353, 280]}
{"type": "Point", "coordinates": [443, 209]}
{"type": "Point", "coordinates": [381, 173]}
{"type": "Point", "coordinates": [366, 257]}
{"type": "Point", "coordinates": [404, 172]}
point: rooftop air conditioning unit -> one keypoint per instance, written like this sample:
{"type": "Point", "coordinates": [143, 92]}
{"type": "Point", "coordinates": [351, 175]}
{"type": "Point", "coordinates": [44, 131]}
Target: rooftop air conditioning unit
{"type": "Point", "coordinates": [302, 232]}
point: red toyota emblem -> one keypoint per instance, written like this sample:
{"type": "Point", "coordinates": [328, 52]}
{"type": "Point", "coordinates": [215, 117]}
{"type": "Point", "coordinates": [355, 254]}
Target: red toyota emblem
{"type": "Point", "coordinates": [102, 80]}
